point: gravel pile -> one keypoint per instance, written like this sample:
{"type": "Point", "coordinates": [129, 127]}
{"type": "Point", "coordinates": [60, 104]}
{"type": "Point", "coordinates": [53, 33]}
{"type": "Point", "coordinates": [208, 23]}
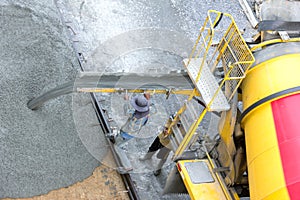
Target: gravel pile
{"type": "Point", "coordinates": [39, 150]}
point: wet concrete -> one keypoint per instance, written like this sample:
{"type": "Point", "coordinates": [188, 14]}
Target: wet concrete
{"type": "Point", "coordinates": [39, 150]}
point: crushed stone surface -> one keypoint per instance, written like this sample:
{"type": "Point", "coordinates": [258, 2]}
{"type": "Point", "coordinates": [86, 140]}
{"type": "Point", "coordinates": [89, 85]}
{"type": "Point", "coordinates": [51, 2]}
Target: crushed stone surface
{"type": "Point", "coordinates": [39, 150]}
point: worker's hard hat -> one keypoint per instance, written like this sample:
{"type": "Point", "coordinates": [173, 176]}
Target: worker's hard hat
{"type": "Point", "coordinates": [140, 103]}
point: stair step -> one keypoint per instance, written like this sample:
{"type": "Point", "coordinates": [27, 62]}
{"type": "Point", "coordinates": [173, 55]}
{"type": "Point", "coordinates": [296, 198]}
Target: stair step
{"type": "Point", "coordinates": [191, 110]}
{"type": "Point", "coordinates": [185, 122]}
{"type": "Point", "coordinates": [207, 85]}
{"type": "Point", "coordinates": [174, 143]}
{"type": "Point", "coordinates": [177, 134]}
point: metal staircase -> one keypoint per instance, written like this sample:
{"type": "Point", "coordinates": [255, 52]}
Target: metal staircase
{"type": "Point", "coordinates": [207, 85]}
{"type": "Point", "coordinates": [182, 124]}
{"type": "Point", "coordinates": [232, 55]}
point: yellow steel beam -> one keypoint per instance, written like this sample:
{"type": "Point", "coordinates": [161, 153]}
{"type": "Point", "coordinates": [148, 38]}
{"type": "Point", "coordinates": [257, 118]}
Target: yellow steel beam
{"type": "Point", "coordinates": [152, 91]}
{"type": "Point", "coordinates": [274, 41]}
{"type": "Point", "coordinates": [222, 184]}
{"type": "Point", "coordinates": [195, 92]}
{"type": "Point", "coordinates": [187, 138]}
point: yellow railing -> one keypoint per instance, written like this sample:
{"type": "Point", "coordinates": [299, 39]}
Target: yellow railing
{"type": "Point", "coordinates": [274, 41]}
{"type": "Point", "coordinates": [231, 54]}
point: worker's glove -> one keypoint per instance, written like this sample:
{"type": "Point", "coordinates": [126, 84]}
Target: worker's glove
{"type": "Point", "coordinates": [126, 97]}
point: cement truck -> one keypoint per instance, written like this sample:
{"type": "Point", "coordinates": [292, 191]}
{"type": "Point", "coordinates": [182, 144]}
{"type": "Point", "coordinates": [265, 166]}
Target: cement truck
{"type": "Point", "coordinates": [256, 103]}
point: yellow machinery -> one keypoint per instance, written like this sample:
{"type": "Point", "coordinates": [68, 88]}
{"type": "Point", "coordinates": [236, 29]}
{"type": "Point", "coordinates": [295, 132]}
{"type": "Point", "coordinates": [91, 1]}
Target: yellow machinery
{"type": "Point", "coordinates": [270, 121]}
{"type": "Point", "coordinates": [259, 131]}
{"type": "Point", "coordinates": [206, 179]}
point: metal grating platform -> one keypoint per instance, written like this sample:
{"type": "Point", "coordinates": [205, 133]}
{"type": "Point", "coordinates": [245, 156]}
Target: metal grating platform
{"type": "Point", "coordinates": [199, 172]}
{"type": "Point", "coordinates": [207, 85]}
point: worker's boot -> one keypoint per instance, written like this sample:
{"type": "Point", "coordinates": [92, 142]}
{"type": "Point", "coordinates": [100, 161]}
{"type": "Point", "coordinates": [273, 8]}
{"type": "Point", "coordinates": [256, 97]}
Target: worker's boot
{"type": "Point", "coordinates": [147, 156]}
{"type": "Point", "coordinates": [159, 166]}
{"type": "Point", "coordinates": [119, 140]}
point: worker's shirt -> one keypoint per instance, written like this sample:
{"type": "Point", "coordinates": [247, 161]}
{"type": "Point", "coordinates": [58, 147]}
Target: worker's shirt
{"type": "Point", "coordinates": [163, 139]}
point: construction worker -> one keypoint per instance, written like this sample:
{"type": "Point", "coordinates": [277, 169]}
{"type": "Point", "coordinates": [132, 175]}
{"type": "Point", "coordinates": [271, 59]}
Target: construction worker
{"type": "Point", "coordinates": [138, 117]}
{"type": "Point", "coordinates": [161, 143]}
{"type": "Point", "coordinates": [138, 109]}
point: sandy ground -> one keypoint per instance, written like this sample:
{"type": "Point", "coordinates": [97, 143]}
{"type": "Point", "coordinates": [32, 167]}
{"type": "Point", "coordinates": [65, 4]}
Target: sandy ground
{"type": "Point", "coordinates": [105, 183]}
